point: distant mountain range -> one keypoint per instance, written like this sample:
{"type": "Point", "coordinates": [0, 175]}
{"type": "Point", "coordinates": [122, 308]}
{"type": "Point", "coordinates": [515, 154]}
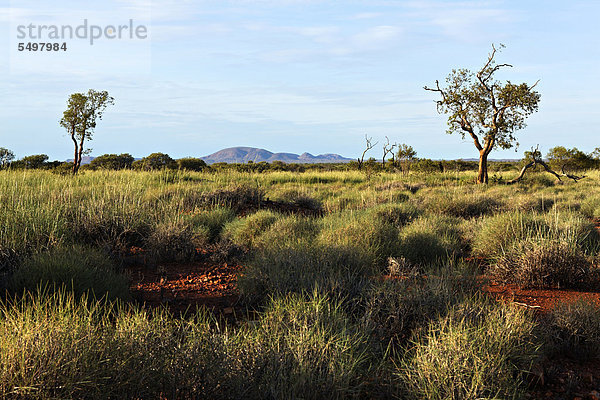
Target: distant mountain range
{"type": "Point", "coordinates": [245, 154]}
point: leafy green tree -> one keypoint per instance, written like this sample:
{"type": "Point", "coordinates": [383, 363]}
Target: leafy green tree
{"type": "Point", "coordinates": [487, 110]}
{"type": "Point", "coordinates": [155, 161]}
{"type": "Point", "coordinates": [6, 156]}
{"type": "Point", "coordinates": [36, 161]}
{"type": "Point", "coordinates": [562, 158]}
{"type": "Point", "coordinates": [405, 156]}
{"type": "Point", "coordinates": [79, 119]}
{"type": "Point", "coordinates": [112, 161]}
{"type": "Point", "coordinates": [191, 164]}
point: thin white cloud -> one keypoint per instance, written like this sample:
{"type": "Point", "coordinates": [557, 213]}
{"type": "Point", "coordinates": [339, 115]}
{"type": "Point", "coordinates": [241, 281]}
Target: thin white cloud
{"type": "Point", "coordinates": [366, 15]}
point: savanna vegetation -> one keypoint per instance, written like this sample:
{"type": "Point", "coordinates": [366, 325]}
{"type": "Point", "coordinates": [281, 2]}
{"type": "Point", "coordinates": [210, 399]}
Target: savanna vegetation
{"type": "Point", "coordinates": [360, 284]}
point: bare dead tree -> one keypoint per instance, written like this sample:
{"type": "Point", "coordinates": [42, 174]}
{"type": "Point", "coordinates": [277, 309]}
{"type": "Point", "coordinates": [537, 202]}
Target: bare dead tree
{"type": "Point", "coordinates": [536, 158]}
{"type": "Point", "coordinates": [368, 146]}
{"type": "Point", "coordinates": [387, 149]}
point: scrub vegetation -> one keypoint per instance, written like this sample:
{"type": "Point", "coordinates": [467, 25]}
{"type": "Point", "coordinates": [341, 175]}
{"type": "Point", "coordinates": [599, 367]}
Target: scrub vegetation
{"type": "Point", "coordinates": [353, 285]}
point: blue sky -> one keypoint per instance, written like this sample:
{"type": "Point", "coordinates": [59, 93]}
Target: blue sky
{"type": "Point", "coordinates": [294, 75]}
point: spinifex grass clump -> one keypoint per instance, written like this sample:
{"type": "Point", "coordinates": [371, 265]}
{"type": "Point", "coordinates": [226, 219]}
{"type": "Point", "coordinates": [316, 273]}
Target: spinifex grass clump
{"type": "Point", "coordinates": [81, 270]}
{"type": "Point", "coordinates": [547, 250]}
{"type": "Point", "coordinates": [462, 204]}
{"type": "Point", "coordinates": [396, 215]}
{"type": "Point", "coordinates": [54, 346]}
{"type": "Point", "coordinates": [591, 206]}
{"type": "Point", "coordinates": [395, 309]}
{"type": "Point", "coordinates": [573, 330]}
{"type": "Point", "coordinates": [246, 231]}
{"type": "Point", "coordinates": [430, 240]}
{"type": "Point", "coordinates": [238, 198]}
{"type": "Point", "coordinates": [544, 264]}
{"type": "Point", "coordinates": [301, 348]}
{"type": "Point", "coordinates": [498, 234]}
{"type": "Point", "coordinates": [289, 231]}
{"type": "Point", "coordinates": [212, 219]}
{"type": "Point", "coordinates": [479, 350]}
{"type": "Point", "coordinates": [361, 232]}
{"type": "Point", "coordinates": [304, 267]}
{"type": "Point", "coordinates": [176, 240]}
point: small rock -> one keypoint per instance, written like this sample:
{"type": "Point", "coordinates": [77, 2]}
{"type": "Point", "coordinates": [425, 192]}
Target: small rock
{"type": "Point", "coordinates": [228, 310]}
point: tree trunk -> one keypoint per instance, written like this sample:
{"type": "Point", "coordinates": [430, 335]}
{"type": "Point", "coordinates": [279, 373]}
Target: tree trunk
{"type": "Point", "coordinates": [482, 175]}
{"type": "Point", "coordinates": [80, 153]}
{"type": "Point", "coordinates": [76, 151]}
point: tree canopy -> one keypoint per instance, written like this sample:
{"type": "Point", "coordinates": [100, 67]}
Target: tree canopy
{"type": "Point", "coordinates": [80, 119]}
{"type": "Point", "coordinates": [485, 109]}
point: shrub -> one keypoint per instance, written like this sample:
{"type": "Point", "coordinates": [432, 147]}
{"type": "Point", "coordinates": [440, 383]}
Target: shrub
{"type": "Point", "coordinates": [547, 263]}
{"type": "Point", "coordinates": [112, 161]}
{"type": "Point", "coordinates": [77, 269]}
{"type": "Point", "coordinates": [155, 161]}
{"type": "Point", "coordinates": [477, 351]}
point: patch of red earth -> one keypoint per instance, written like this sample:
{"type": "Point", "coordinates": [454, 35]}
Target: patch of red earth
{"type": "Point", "coordinates": [568, 379]}
{"type": "Point", "coordinates": [182, 287]}
{"type": "Point", "coordinates": [542, 300]}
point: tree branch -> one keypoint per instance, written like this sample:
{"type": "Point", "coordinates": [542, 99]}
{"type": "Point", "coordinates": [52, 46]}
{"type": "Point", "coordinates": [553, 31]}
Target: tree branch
{"type": "Point", "coordinates": [536, 160]}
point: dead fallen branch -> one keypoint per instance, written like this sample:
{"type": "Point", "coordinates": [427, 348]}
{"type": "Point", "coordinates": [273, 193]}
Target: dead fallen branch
{"type": "Point", "coordinates": [536, 159]}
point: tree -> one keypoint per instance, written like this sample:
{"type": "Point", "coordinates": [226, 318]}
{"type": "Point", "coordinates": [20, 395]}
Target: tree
{"type": "Point", "coordinates": [6, 156]}
{"type": "Point", "coordinates": [532, 159]}
{"type": "Point", "coordinates": [388, 149]}
{"type": "Point", "coordinates": [368, 146]}
{"type": "Point", "coordinates": [489, 111]}
{"type": "Point", "coordinates": [34, 162]}
{"type": "Point", "coordinates": [562, 158]}
{"type": "Point", "coordinates": [112, 161]}
{"type": "Point", "coordinates": [79, 119]}
{"type": "Point", "coordinates": [405, 156]}
{"type": "Point", "coordinates": [155, 161]}
{"type": "Point", "coordinates": [191, 164]}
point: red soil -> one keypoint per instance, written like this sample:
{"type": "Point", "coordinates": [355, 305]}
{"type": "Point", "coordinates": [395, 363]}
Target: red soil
{"type": "Point", "coordinates": [541, 300]}
{"type": "Point", "coordinates": [184, 286]}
